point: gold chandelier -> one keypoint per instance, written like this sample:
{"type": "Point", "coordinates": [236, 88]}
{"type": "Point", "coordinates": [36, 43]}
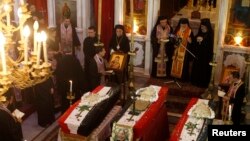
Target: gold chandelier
{"type": "Point", "coordinates": [27, 69]}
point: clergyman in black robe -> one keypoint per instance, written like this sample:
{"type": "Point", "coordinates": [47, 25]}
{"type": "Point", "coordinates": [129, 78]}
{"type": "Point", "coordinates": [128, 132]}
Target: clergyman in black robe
{"type": "Point", "coordinates": [45, 103]}
{"type": "Point", "coordinates": [203, 44]}
{"type": "Point", "coordinates": [161, 30]}
{"type": "Point", "coordinates": [68, 39]}
{"type": "Point", "coordinates": [69, 68]}
{"type": "Point", "coordinates": [120, 43]}
{"type": "Point", "coordinates": [10, 127]}
{"type": "Point", "coordinates": [88, 45]}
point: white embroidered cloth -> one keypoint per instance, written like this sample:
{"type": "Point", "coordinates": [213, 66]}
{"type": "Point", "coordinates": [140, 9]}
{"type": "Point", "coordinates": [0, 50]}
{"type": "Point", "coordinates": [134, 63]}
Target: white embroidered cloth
{"type": "Point", "coordinates": [76, 117]}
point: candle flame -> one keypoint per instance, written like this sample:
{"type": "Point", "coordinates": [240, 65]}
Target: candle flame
{"type": "Point", "coordinates": [2, 38]}
{"type": "Point", "coordinates": [6, 7]}
{"type": "Point", "coordinates": [36, 25]}
{"type": "Point", "coordinates": [19, 12]}
{"type": "Point", "coordinates": [43, 36]}
{"type": "Point", "coordinates": [238, 39]}
{"type": "Point", "coordinates": [135, 27]}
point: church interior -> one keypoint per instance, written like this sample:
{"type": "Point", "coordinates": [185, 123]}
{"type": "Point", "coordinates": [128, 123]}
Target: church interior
{"type": "Point", "coordinates": [123, 70]}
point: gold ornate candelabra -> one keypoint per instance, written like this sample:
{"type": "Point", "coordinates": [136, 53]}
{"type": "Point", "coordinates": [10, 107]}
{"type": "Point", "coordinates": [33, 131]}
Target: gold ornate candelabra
{"type": "Point", "coordinates": [27, 69]}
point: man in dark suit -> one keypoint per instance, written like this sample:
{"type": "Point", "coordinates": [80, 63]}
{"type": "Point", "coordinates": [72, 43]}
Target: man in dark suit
{"type": "Point", "coordinates": [88, 45]}
{"type": "Point", "coordinates": [234, 97]}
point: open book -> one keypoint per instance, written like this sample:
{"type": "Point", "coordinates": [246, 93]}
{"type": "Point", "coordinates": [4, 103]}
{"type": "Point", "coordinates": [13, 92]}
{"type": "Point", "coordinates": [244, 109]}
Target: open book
{"type": "Point", "coordinates": [18, 114]}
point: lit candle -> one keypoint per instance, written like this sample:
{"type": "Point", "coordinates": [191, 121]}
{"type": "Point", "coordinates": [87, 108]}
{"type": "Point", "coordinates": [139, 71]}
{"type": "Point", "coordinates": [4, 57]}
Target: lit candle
{"type": "Point", "coordinates": [19, 13]}
{"type": "Point", "coordinates": [35, 26]}
{"type": "Point", "coordinates": [26, 33]}
{"type": "Point", "coordinates": [71, 85]}
{"type": "Point", "coordinates": [21, 2]}
{"type": "Point", "coordinates": [229, 112]}
{"type": "Point", "coordinates": [38, 49]}
{"type": "Point", "coordinates": [7, 10]}
{"type": "Point", "coordinates": [2, 42]}
{"type": "Point", "coordinates": [99, 18]}
{"type": "Point", "coordinates": [44, 38]}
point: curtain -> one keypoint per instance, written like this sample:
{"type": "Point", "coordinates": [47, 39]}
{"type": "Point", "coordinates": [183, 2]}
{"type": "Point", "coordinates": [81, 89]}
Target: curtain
{"type": "Point", "coordinates": [107, 21]}
{"type": "Point", "coordinates": [41, 6]}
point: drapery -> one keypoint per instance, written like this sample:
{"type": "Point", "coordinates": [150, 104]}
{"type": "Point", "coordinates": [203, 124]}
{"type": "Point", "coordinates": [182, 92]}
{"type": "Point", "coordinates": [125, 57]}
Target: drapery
{"type": "Point", "coordinates": [107, 21]}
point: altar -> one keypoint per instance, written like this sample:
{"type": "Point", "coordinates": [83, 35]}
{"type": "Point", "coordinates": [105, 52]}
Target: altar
{"type": "Point", "coordinates": [149, 125]}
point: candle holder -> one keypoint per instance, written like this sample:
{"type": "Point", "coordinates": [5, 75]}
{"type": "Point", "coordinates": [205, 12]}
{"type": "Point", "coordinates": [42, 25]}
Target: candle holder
{"type": "Point", "coordinates": [228, 122]}
{"type": "Point", "coordinates": [99, 43]}
{"type": "Point", "coordinates": [22, 71]}
{"type": "Point", "coordinates": [70, 97]}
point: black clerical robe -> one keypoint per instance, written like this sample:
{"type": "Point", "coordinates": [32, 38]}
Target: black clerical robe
{"type": "Point", "coordinates": [237, 102]}
{"type": "Point", "coordinates": [120, 44]}
{"type": "Point", "coordinates": [45, 103]}
{"type": "Point", "coordinates": [10, 129]}
{"type": "Point", "coordinates": [201, 70]}
{"type": "Point", "coordinates": [89, 49]}
{"type": "Point", "coordinates": [93, 75]}
{"type": "Point", "coordinates": [69, 68]}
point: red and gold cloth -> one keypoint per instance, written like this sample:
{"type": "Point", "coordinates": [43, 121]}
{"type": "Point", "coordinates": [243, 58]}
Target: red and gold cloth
{"type": "Point", "coordinates": [179, 53]}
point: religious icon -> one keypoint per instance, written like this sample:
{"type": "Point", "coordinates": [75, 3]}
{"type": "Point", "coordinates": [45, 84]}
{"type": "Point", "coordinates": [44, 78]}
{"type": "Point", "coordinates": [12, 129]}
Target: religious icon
{"type": "Point", "coordinates": [66, 11]}
{"type": "Point", "coordinates": [117, 61]}
{"type": "Point", "coordinates": [139, 7]}
{"type": "Point", "coordinates": [121, 133]}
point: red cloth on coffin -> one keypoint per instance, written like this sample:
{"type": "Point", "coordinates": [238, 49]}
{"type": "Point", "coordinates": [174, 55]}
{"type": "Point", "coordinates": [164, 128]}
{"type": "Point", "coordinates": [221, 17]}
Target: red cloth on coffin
{"type": "Point", "coordinates": [154, 122]}
{"type": "Point", "coordinates": [178, 128]}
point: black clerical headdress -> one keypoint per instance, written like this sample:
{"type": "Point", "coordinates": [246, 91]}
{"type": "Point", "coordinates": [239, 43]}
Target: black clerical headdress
{"type": "Point", "coordinates": [205, 22]}
{"type": "Point", "coordinates": [118, 26]}
{"type": "Point", "coordinates": [184, 21]}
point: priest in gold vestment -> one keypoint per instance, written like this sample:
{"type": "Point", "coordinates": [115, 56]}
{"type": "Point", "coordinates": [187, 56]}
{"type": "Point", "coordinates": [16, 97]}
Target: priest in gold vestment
{"type": "Point", "coordinates": [183, 50]}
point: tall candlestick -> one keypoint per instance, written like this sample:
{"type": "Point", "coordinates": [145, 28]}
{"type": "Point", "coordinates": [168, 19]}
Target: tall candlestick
{"type": "Point", "coordinates": [2, 42]}
{"type": "Point", "coordinates": [229, 112]}
{"type": "Point", "coordinates": [7, 10]}
{"type": "Point", "coordinates": [26, 33]}
{"type": "Point", "coordinates": [71, 85]}
{"type": "Point", "coordinates": [38, 49]}
{"type": "Point", "coordinates": [99, 19]}
{"type": "Point", "coordinates": [44, 38]}
{"type": "Point", "coordinates": [19, 13]}
{"type": "Point", "coordinates": [35, 26]}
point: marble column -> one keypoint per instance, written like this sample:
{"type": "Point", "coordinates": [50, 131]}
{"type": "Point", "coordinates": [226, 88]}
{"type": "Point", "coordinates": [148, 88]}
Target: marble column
{"type": "Point", "coordinates": [119, 4]}
{"type": "Point", "coordinates": [223, 6]}
{"type": "Point", "coordinates": [153, 9]}
{"type": "Point", "coordinates": [51, 13]}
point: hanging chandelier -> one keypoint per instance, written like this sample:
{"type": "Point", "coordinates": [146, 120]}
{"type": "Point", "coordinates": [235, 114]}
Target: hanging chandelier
{"type": "Point", "coordinates": [27, 69]}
